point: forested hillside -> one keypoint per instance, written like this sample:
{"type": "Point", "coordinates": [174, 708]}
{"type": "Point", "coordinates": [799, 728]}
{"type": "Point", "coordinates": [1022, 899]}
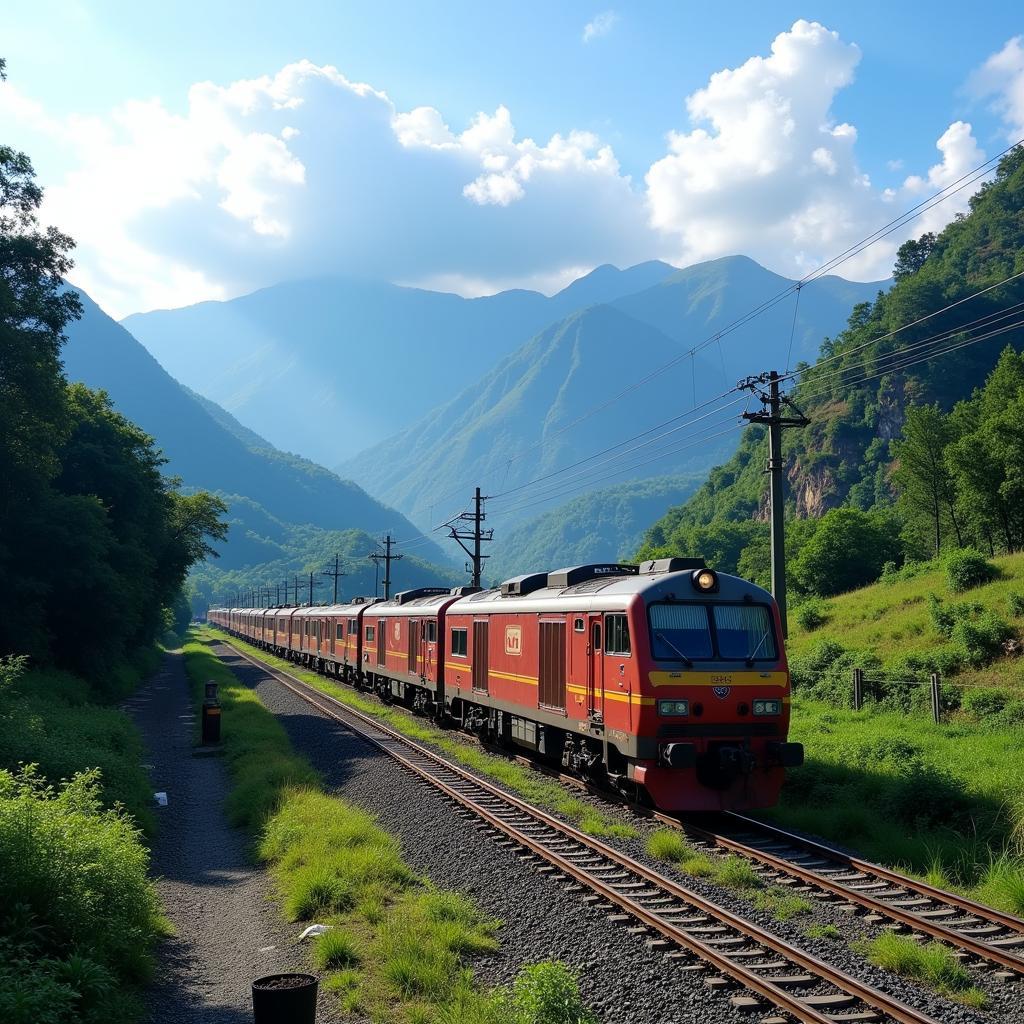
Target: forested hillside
{"type": "Point", "coordinates": [916, 439]}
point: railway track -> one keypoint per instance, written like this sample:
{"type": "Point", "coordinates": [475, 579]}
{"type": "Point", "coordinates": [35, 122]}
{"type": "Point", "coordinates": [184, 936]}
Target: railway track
{"type": "Point", "coordinates": [688, 928]}
{"type": "Point", "coordinates": [979, 931]}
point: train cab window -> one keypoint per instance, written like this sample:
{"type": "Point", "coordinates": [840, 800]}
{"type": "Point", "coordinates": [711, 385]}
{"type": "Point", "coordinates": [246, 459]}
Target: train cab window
{"type": "Point", "coordinates": [459, 642]}
{"type": "Point", "coordinates": [577, 625]}
{"type": "Point", "coordinates": [339, 631]}
{"type": "Point", "coordinates": [744, 631]}
{"type": "Point", "coordinates": [680, 632]}
{"type": "Point", "coordinates": [369, 632]}
{"type": "Point", "coordinates": [616, 635]}
{"type": "Point", "coordinates": [430, 631]}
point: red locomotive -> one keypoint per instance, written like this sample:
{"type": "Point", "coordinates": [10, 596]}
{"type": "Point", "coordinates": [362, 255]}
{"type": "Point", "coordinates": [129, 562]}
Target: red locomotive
{"type": "Point", "coordinates": [667, 680]}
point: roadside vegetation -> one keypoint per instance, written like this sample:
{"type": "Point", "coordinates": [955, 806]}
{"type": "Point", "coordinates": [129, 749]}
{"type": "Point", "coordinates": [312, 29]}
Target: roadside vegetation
{"type": "Point", "coordinates": [528, 783]}
{"type": "Point", "coordinates": [397, 948]}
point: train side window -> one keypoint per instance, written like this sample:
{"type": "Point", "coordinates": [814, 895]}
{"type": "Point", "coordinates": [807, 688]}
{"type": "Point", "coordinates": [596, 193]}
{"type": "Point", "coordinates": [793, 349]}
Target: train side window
{"type": "Point", "coordinates": [459, 642]}
{"type": "Point", "coordinates": [352, 627]}
{"type": "Point", "coordinates": [339, 631]}
{"type": "Point", "coordinates": [577, 625]}
{"type": "Point", "coordinates": [616, 635]}
{"type": "Point", "coordinates": [369, 632]}
{"type": "Point", "coordinates": [431, 631]}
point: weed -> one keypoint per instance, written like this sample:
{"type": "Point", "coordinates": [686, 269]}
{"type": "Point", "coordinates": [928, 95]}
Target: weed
{"type": "Point", "coordinates": [736, 873]}
{"type": "Point", "coordinates": [336, 949]}
{"type": "Point", "coordinates": [781, 904]}
{"type": "Point", "coordinates": [823, 931]}
{"type": "Point", "coordinates": [966, 568]}
{"type": "Point", "coordinates": [669, 844]}
{"type": "Point", "coordinates": [1002, 884]}
{"type": "Point", "coordinates": [932, 963]}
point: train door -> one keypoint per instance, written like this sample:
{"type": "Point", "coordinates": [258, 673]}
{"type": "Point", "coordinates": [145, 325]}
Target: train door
{"type": "Point", "coordinates": [413, 645]}
{"type": "Point", "coordinates": [382, 642]}
{"type": "Point", "coordinates": [481, 656]}
{"type": "Point", "coordinates": [595, 668]}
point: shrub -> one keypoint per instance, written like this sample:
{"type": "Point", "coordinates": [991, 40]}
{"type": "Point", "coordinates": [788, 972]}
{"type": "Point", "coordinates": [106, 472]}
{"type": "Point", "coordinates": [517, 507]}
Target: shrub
{"type": "Point", "coordinates": [967, 568]}
{"type": "Point", "coordinates": [547, 993]}
{"type": "Point", "coordinates": [1015, 600]}
{"type": "Point", "coordinates": [812, 614]}
{"type": "Point", "coordinates": [985, 703]}
{"type": "Point", "coordinates": [945, 616]}
{"type": "Point", "coordinates": [981, 640]}
{"type": "Point", "coordinates": [79, 911]}
{"type": "Point", "coordinates": [892, 573]}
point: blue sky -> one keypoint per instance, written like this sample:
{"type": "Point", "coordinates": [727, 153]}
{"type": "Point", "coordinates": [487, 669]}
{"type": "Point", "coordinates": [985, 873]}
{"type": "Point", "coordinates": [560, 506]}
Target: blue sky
{"type": "Point", "coordinates": [73, 67]}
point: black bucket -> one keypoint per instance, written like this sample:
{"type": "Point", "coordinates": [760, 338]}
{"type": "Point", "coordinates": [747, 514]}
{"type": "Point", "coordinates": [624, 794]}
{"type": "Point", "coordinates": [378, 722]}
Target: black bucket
{"type": "Point", "coordinates": [284, 999]}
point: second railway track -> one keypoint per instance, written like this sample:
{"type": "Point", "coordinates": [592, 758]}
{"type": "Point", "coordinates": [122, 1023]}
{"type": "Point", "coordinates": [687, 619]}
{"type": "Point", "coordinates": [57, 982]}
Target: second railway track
{"type": "Point", "coordinates": [689, 928]}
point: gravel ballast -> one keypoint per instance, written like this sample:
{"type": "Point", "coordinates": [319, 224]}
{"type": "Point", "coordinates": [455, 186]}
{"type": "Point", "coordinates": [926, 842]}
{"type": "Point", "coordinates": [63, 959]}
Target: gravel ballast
{"type": "Point", "coordinates": [228, 930]}
{"type": "Point", "coordinates": [620, 977]}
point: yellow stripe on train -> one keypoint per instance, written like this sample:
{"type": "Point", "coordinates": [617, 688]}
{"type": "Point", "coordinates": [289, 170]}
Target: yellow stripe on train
{"type": "Point", "coordinates": [685, 678]}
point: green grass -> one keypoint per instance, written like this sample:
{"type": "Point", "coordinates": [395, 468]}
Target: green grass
{"type": "Point", "coordinates": [781, 904]}
{"type": "Point", "coordinates": [671, 845]}
{"type": "Point", "coordinates": [931, 964]}
{"type": "Point", "coordinates": [735, 872]}
{"type": "Point", "coordinates": [520, 779]}
{"type": "Point", "coordinates": [823, 931]}
{"type": "Point", "coordinates": [398, 949]}
{"type": "Point", "coordinates": [892, 620]}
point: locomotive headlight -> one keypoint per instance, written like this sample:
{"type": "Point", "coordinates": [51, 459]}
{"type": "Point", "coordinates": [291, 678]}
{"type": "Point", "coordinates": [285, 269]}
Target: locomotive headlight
{"type": "Point", "coordinates": [673, 707]}
{"type": "Point", "coordinates": [767, 707]}
{"type": "Point", "coordinates": [705, 580]}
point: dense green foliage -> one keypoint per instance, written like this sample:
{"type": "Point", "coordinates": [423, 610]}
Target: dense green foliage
{"type": "Point", "coordinates": [933, 449]}
{"type": "Point", "coordinates": [79, 914]}
{"type": "Point", "coordinates": [94, 542]}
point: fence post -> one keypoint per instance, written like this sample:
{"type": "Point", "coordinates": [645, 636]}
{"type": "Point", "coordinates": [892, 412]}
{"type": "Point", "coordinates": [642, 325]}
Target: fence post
{"type": "Point", "coordinates": [936, 698]}
{"type": "Point", "coordinates": [858, 688]}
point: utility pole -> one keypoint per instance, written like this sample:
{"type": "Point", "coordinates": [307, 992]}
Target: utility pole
{"type": "Point", "coordinates": [477, 535]}
{"type": "Point", "coordinates": [387, 558]}
{"type": "Point", "coordinates": [771, 415]}
{"type": "Point", "coordinates": [311, 589]}
{"type": "Point", "coordinates": [335, 573]}
{"type": "Point", "coordinates": [296, 589]}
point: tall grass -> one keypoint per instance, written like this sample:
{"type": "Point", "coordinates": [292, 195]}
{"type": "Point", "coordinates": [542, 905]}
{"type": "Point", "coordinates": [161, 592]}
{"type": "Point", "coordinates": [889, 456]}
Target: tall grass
{"type": "Point", "coordinates": [932, 964]}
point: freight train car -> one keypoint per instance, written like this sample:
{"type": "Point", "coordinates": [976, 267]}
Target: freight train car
{"type": "Point", "coordinates": [667, 680]}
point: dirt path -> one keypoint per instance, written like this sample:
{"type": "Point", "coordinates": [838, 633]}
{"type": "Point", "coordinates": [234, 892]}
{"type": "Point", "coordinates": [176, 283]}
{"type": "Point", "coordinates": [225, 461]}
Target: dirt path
{"type": "Point", "coordinates": [228, 931]}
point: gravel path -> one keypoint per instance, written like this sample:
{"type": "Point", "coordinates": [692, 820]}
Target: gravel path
{"type": "Point", "coordinates": [228, 931]}
{"type": "Point", "coordinates": [623, 980]}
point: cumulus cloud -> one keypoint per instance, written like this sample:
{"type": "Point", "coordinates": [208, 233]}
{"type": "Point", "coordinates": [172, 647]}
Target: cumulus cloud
{"type": "Point", "coordinates": [1001, 77]}
{"type": "Point", "coordinates": [768, 171]}
{"type": "Point", "coordinates": [304, 173]}
{"type": "Point", "coordinates": [601, 25]}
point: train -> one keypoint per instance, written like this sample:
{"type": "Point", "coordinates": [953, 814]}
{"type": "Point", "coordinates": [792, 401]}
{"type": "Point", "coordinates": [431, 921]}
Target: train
{"type": "Point", "coordinates": [666, 680]}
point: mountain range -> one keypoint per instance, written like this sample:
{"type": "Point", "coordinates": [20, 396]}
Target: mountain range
{"type": "Point", "coordinates": [273, 497]}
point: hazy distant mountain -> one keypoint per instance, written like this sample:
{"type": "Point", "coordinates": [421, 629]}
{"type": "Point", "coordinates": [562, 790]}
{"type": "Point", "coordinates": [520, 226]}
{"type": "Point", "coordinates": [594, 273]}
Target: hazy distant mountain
{"type": "Point", "coordinates": [603, 526]}
{"type": "Point", "coordinates": [326, 367]}
{"type": "Point", "coordinates": [529, 404]}
{"type": "Point", "coordinates": [505, 430]}
{"type": "Point", "coordinates": [208, 452]}
{"type": "Point", "coordinates": [691, 305]}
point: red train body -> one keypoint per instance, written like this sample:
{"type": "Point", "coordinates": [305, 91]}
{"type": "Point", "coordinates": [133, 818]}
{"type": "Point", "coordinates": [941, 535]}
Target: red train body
{"type": "Point", "coordinates": [667, 680]}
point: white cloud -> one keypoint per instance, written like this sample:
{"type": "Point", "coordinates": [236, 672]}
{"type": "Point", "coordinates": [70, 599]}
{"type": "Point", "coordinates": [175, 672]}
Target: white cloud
{"type": "Point", "coordinates": [601, 25]}
{"type": "Point", "coordinates": [894, 165]}
{"type": "Point", "coordinates": [304, 173]}
{"type": "Point", "coordinates": [1002, 77]}
{"type": "Point", "coordinates": [766, 170]}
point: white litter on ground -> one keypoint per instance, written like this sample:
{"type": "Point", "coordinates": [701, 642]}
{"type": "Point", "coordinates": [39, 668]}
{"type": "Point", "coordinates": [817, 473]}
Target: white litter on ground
{"type": "Point", "coordinates": [313, 930]}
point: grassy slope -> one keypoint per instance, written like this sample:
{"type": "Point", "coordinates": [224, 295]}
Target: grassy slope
{"type": "Point", "coordinates": [892, 619]}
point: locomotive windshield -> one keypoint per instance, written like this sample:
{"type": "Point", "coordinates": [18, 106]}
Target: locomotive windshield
{"type": "Point", "coordinates": [698, 632]}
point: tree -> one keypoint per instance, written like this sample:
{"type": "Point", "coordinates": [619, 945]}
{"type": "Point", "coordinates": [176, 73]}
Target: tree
{"type": "Point", "coordinates": [847, 550]}
{"type": "Point", "coordinates": [911, 255]}
{"type": "Point", "coordinates": [922, 474]}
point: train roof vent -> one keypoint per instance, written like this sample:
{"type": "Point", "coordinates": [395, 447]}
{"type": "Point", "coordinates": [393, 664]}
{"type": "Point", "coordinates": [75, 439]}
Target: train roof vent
{"type": "Point", "coordinates": [464, 591]}
{"type": "Point", "coordinates": [410, 595]}
{"type": "Point", "coordinates": [562, 578]}
{"type": "Point", "coordinates": [671, 565]}
{"type": "Point", "coordinates": [526, 584]}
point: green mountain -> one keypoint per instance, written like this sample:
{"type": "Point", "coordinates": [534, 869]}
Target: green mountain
{"type": "Point", "coordinates": [858, 393]}
{"type": "Point", "coordinates": [603, 526]}
{"type": "Point", "coordinates": [281, 506]}
{"type": "Point", "coordinates": [530, 402]}
{"type": "Point", "coordinates": [326, 367]}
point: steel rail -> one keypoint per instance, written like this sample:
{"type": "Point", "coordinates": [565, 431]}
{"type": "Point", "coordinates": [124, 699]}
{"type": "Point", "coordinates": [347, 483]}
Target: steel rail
{"type": "Point", "coordinates": [427, 764]}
